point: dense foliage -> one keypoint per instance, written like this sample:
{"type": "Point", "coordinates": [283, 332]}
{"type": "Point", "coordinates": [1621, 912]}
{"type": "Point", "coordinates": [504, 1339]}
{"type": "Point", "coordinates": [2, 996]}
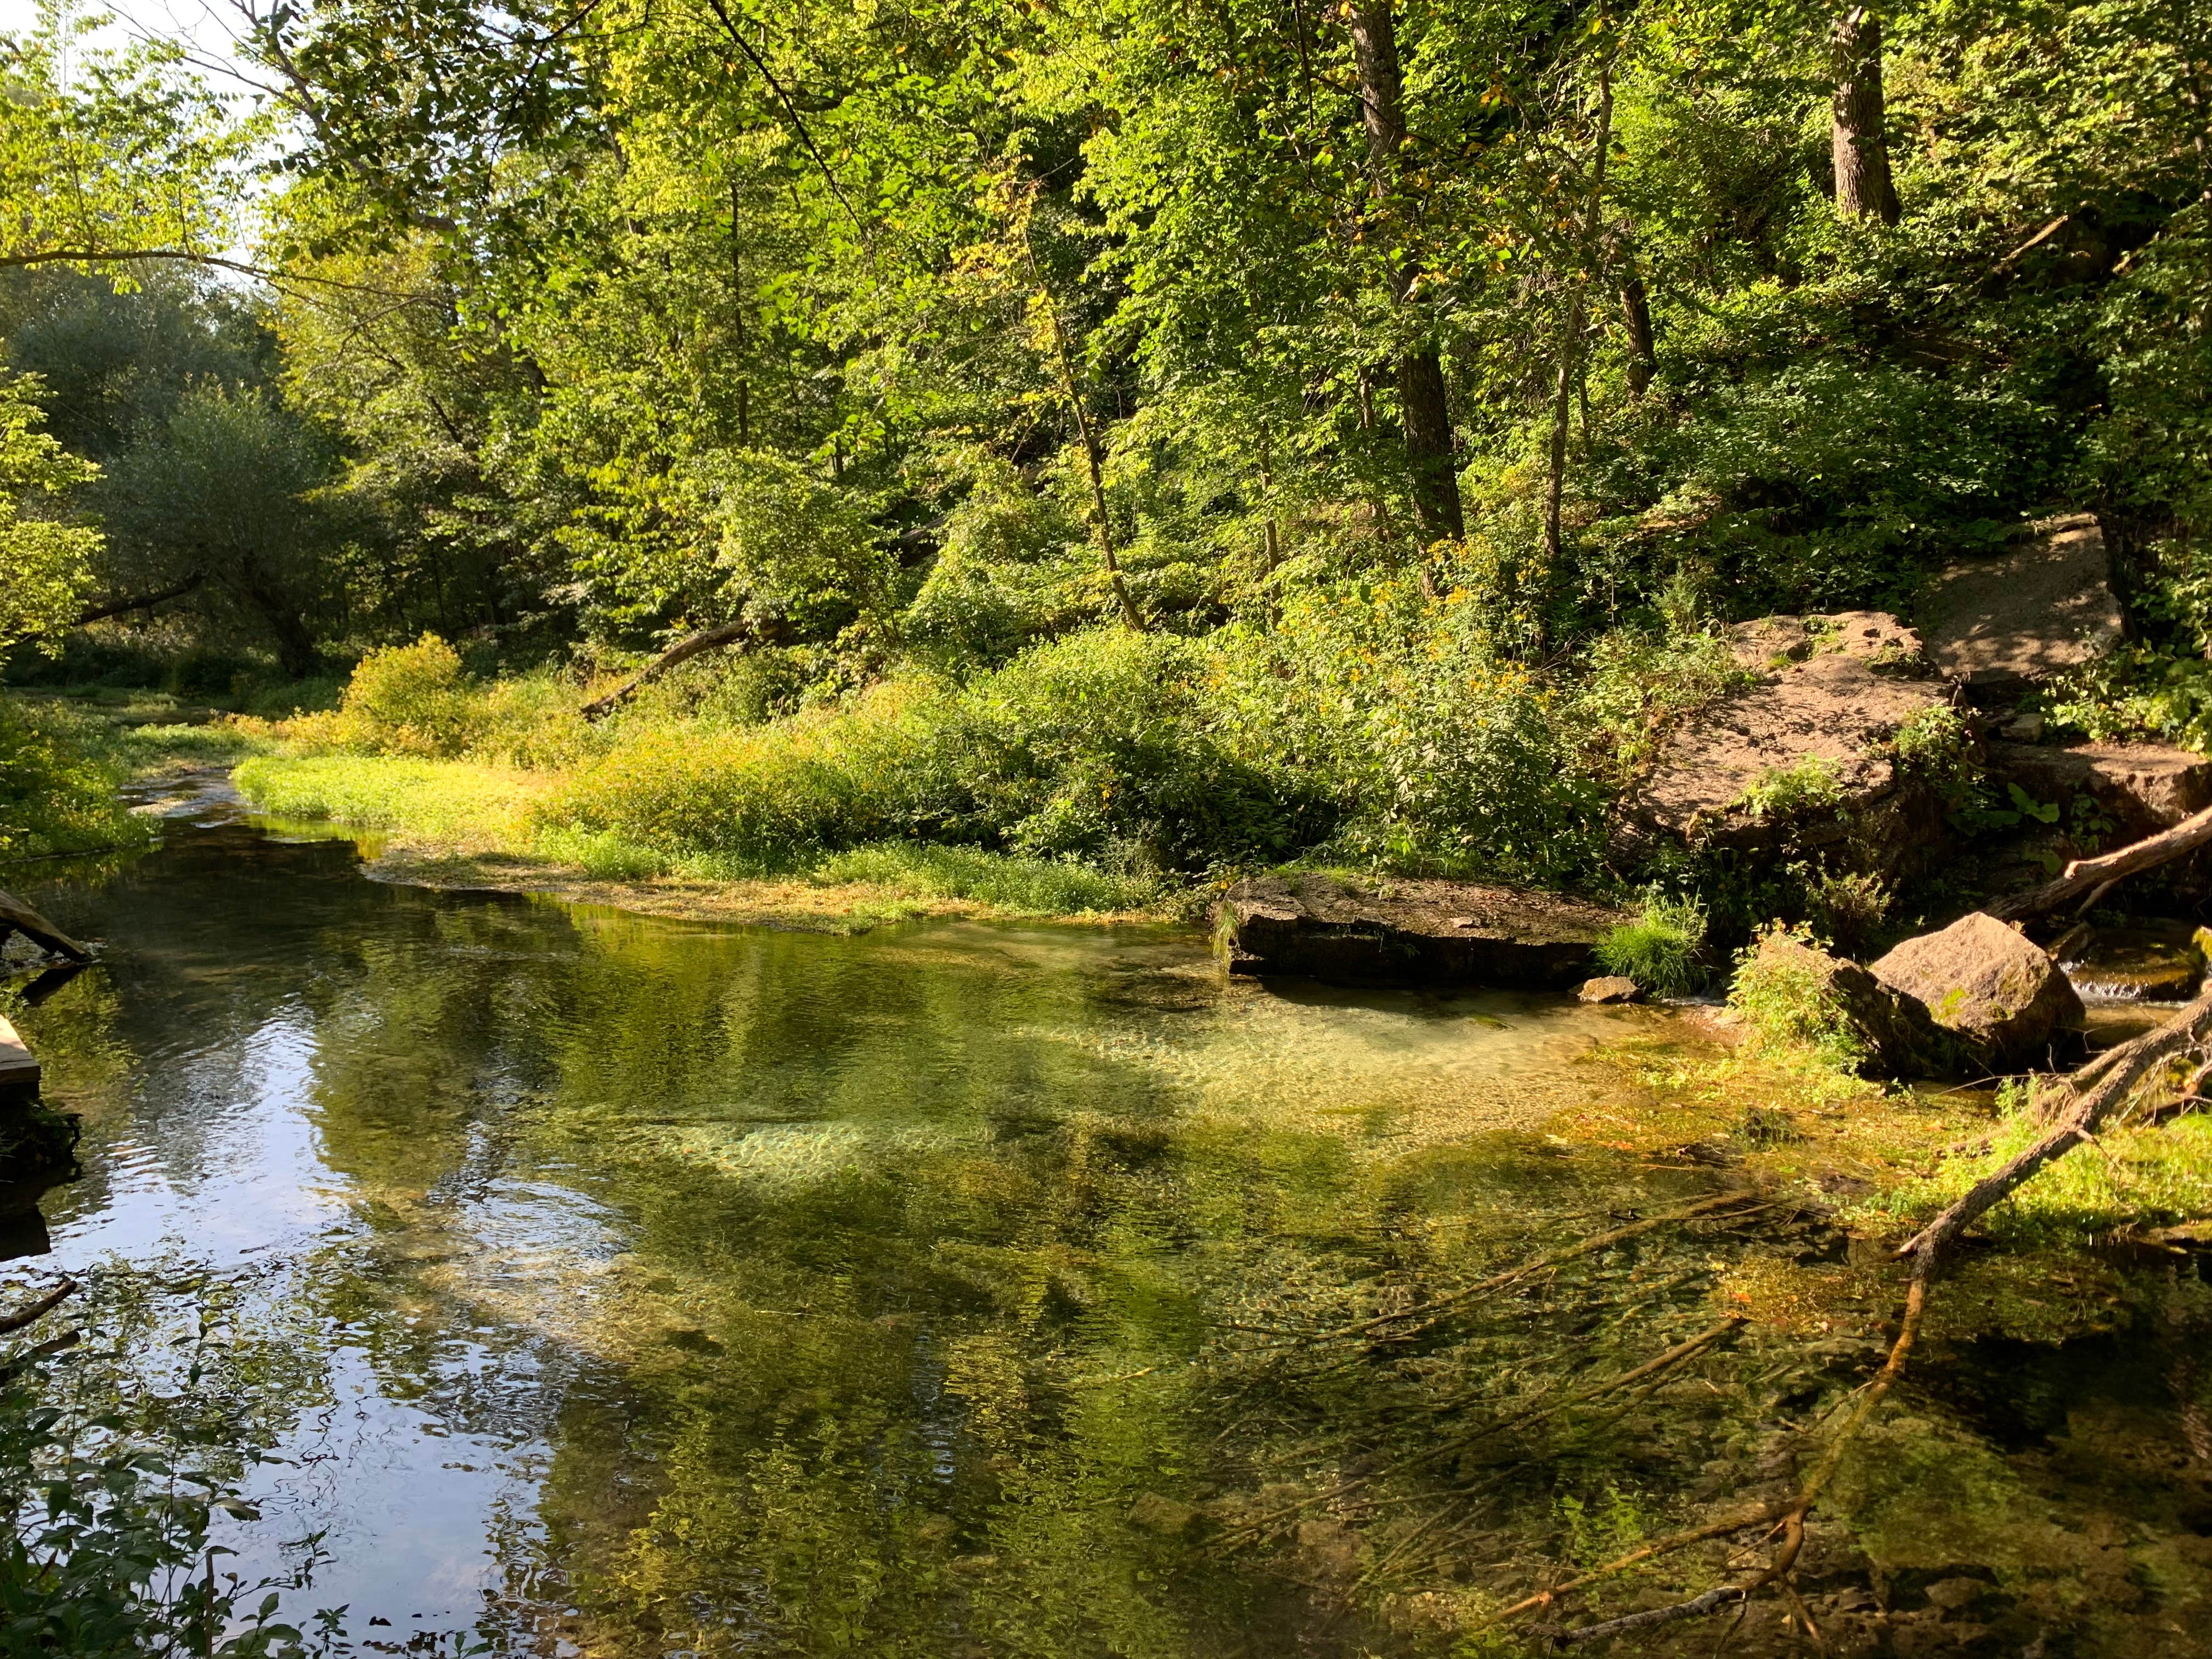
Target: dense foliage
{"type": "Point", "coordinates": [1111, 431]}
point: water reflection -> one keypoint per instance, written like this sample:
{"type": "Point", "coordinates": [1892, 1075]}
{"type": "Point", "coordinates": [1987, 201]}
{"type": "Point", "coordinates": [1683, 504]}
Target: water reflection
{"type": "Point", "coordinates": [662, 1285]}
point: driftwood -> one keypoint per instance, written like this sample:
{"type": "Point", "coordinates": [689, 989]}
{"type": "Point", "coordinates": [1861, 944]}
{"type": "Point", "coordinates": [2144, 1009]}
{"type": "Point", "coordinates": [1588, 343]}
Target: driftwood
{"type": "Point", "coordinates": [2088, 880]}
{"type": "Point", "coordinates": [44, 1304]}
{"type": "Point", "coordinates": [14, 914]}
{"type": "Point", "coordinates": [690, 645]}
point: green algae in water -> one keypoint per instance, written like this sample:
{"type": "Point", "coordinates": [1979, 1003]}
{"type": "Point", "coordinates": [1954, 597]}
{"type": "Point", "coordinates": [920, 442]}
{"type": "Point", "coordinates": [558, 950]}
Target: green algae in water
{"type": "Point", "coordinates": [654, 1286]}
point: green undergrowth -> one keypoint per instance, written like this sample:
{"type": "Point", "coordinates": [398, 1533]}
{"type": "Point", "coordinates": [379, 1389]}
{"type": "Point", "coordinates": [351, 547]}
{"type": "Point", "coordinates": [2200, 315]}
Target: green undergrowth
{"type": "Point", "coordinates": [1662, 949]}
{"type": "Point", "coordinates": [57, 787]}
{"type": "Point", "coordinates": [468, 806]}
{"type": "Point", "coordinates": [1099, 771]}
{"type": "Point", "coordinates": [2135, 1176]}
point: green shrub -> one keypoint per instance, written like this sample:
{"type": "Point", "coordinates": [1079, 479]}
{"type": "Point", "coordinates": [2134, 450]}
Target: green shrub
{"type": "Point", "coordinates": [1785, 1004]}
{"type": "Point", "coordinates": [57, 790]}
{"type": "Point", "coordinates": [1660, 950]}
{"type": "Point", "coordinates": [410, 700]}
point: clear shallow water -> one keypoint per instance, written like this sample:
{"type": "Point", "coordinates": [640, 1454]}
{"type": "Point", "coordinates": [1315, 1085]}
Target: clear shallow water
{"type": "Point", "coordinates": [640, 1286]}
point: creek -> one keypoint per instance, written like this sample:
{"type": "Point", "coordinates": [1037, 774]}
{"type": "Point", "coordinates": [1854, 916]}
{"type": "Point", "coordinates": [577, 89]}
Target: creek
{"type": "Point", "coordinates": [625, 1284]}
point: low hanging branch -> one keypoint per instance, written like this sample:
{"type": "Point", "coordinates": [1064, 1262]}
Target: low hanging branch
{"type": "Point", "coordinates": [2088, 880]}
{"type": "Point", "coordinates": [690, 645]}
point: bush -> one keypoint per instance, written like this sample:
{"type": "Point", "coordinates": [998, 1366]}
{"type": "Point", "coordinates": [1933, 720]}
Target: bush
{"type": "Point", "coordinates": [1785, 1004]}
{"type": "Point", "coordinates": [56, 794]}
{"type": "Point", "coordinates": [109, 1498]}
{"type": "Point", "coordinates": [1660, 949]}
{"type": "Point", "coordinates": [410, 700]}
{"type": "Point", "coordinates": [1805, 786]}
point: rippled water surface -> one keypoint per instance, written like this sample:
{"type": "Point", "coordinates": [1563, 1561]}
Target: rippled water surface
{"type": "Point", "coordinates": [640, 1277]}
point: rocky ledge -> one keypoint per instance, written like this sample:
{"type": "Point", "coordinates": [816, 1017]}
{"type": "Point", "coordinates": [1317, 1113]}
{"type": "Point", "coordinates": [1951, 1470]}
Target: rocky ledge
{"type": "Point", "coordinates": [1407, 933]}
{"type": "Point", "coordinates": [1802, 755]}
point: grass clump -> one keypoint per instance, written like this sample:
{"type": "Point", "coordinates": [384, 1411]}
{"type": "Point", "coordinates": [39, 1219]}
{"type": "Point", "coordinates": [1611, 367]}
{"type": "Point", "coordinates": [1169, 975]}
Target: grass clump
{"type": "Point", "coordinates": [1660, 949]}
{"type": "Point", "coordinates": [1017, 886]}
{"type": "Point", "coordinates": [2146, 1176]}
{"type": "Point", "coordinates": [1786, 792]}
{"type": "Point", "coordinates": [450, 800]}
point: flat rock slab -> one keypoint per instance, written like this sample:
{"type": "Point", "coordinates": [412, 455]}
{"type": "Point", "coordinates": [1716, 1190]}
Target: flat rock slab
{"type": "Point", "coordinates": [1407, 933]}
{"type": "Point", "coordinates": [1832, 690]}
{"type": "Point", "coordinates": [19, 1067]}
{"type": "Point", "coordinates": [2144, 787]}
{"type": "Point", "coordinates": [2000, 624]}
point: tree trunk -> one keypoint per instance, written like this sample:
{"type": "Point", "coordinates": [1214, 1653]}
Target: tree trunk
{"type": "Point", "coordinates": [1636, 317]}
{"type": "Point", "coordinates": [1571, 327]}
{"type": "Point", "coordinates": [1863, 190]}
{"type": "Point", "coordinates": [296, 645]}
{"type": "Point", "coordinates": [1429, 462]}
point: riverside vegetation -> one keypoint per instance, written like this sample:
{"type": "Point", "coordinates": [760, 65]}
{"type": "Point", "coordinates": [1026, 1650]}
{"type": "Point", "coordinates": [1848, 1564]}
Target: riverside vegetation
{"type": "Point", "coordinates": [851, 463]}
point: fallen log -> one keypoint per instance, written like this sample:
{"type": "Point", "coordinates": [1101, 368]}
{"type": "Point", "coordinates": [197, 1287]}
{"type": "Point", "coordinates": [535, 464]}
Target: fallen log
{"type": "Point", "coordinates": [14, 914]}
{"type": "Point", "coordinates": [2089, 879]}
{"type": "Point", "coordinates": [690, 645]}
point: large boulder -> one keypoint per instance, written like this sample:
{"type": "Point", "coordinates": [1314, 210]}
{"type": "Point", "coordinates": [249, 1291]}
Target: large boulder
{"type": "Point", "coordinates": [2041, 606]}
{"type": "Point", "coordinates": [2000, 994]}
{"type": "Point", "coordinates": [1793, 989]}
{"type": "Point", "coordinates": [1407, 933]}
{"type": "Point", "coordinates": [1803, 757]}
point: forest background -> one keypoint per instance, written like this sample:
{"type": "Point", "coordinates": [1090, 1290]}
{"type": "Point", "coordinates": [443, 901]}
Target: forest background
{"type": "Point", "coordinates": [1128, 441]}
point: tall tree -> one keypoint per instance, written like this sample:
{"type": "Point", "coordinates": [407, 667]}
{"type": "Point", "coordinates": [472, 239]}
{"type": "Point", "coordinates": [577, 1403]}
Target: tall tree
{"type": "Point", "coordinates": [1420, 369]}
{"type": "Point", "coordinates": [1863, 187]}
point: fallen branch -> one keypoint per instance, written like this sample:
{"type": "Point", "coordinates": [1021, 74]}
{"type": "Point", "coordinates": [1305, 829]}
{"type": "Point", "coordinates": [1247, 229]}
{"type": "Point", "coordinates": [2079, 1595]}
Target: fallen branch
{"type": "Point", "coordinates": [1428, 1311]}
{"type": "Point", "coordinates": [13, 912]}
{"type": "Point", "coordinates": [2091, 879]}
{"type": "Point", "coordinates": [1789, 1519]}
{"type": "Point", "coordinates": [690, 645]}
{"type": "Point", "coordinates": [106, 608]}
{"type": "Point", "coordinates": [1459, 1442]}
{"type": "Point", "coordinates": [44, 1304]}
{"type": "Point", "coordinates": [2093, 1095]}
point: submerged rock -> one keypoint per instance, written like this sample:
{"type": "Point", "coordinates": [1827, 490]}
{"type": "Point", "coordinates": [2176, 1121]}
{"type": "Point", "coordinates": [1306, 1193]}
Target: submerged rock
{"type": "Point", "coordinates": [1609, 987]}
{"type": "Point", "coordinates": [1802, 757]}
{"type": "Point", "coordinates": [2042, 606]}
{"type": "Point", "coordinates": [1407, 933]}
{"type": "Point", "coordinates": [1798, 990]}
{"type": "Point", "coordinates": [2000, 995]}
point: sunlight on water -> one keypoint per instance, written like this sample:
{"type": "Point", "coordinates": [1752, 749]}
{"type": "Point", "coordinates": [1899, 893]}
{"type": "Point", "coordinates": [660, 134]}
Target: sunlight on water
{"type": "Point", "coordinates": [632, 1259]}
